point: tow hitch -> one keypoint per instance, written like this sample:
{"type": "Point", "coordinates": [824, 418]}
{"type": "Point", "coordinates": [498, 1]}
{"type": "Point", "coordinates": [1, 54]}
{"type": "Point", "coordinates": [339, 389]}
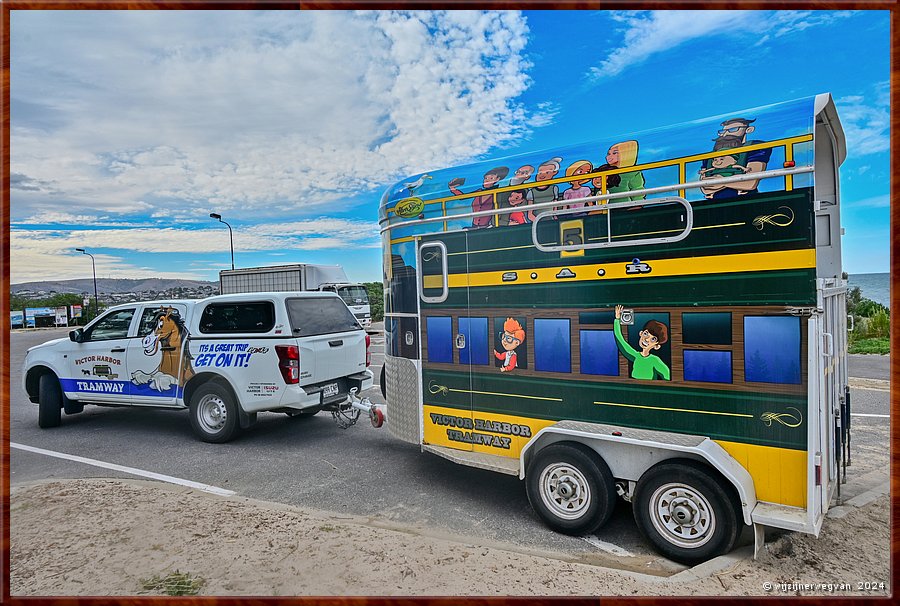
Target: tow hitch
{"type": "Point", "coordinates": [347, 413]}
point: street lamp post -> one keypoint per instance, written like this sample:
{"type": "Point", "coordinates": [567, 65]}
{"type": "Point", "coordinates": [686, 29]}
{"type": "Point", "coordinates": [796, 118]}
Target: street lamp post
{"type": "Point", "coordinates": [230, 235]}
{"type": "Point", "coordinates": [94, 268]}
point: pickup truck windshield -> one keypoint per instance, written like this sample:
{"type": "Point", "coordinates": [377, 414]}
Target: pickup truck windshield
{"type": "Point", "coordinates": [319, 316]}
{"type": "Point", "coordinates": [354, 295]}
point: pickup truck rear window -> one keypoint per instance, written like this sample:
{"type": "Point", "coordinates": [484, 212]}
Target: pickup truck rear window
{"type": "Point", "coordinates": [319, 316]}
{"type": "Point", "coordinates": [238, 317]}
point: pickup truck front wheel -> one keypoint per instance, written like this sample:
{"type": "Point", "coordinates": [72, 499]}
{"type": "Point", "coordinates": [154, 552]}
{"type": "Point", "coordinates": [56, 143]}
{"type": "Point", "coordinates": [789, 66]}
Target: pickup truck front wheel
{"type": "Point", "coordinates": [214, 414]}
{"type": "Point", "coordinates": [49, 401]}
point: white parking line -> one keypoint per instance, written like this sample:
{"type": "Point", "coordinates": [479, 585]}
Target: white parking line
{"type": "Point", "coordinates": [137, 472]}
{"type": "Point", "coordinates": [607, 547]}
{"type": "Point", "coordinates": [860, 414]}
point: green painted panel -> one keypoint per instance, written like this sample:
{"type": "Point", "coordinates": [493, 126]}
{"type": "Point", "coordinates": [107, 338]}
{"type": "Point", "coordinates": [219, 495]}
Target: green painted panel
{"type": "Point", "coordinates": [745, 417]}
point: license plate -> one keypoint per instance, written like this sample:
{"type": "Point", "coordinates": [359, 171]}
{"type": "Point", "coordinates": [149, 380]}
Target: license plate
{"type": "Point", "coordinates": [330, 390]}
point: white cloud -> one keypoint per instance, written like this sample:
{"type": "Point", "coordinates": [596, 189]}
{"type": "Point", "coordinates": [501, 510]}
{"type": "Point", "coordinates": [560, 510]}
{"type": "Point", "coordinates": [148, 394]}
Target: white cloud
{"type": "Point", "coordinates": [647, 33]}
{"type": "Point", "coordinates": [651, 32]}
{"type": "Point", "coordinates": [48, 253]}
{"type": "Point", "coordinates": [882, 201]}
{"type": "Point", "coordinates": [867, 121]}
{"type": "Point", "coordinates": [164, 112]}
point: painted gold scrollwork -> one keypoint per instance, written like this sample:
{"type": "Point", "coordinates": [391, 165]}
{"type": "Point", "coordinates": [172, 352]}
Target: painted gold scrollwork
{"type": "Point", "coordinates": [784, 418]}
{"type": "Point", "coordinates": [434, 388]}
{"type": "Point", "coordinates": [776, 219]}
{"type": "Point", "coordinates": [431, 256]}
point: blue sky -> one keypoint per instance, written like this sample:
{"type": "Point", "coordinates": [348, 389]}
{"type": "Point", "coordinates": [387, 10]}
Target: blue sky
{"type": "Point", "coordinates": [129, 128]}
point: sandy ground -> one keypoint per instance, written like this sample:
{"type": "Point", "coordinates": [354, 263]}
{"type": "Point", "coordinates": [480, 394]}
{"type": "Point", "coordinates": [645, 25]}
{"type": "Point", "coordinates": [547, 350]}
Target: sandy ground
{"type": "Point", "coordinates": [63, 544]}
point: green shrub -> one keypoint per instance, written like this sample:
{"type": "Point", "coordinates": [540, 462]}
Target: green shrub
{"type": "Point", "coordinates": [868, 308]}
{"type": "Point", "coordinates": [880, 324]}
{"type": "Point", "coordinates": [870, 346]}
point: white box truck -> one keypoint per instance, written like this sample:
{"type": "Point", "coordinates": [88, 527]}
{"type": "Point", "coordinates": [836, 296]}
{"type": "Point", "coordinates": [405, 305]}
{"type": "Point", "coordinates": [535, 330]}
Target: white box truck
{"type": "Point", "coordinates": [299, 277]}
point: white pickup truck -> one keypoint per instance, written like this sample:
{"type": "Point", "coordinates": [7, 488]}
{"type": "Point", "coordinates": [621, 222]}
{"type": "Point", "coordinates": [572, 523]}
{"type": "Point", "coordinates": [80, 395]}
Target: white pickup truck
{"type": "Point", "coordinates": [225, 358]}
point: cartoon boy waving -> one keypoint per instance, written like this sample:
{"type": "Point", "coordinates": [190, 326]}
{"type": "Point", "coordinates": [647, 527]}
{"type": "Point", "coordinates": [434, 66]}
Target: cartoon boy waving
{"type": "Point", "coordinates": [644, 365]}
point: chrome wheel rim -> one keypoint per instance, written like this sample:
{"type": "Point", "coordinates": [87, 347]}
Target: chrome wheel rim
{"type": "Point", "coordinates": [211, 413]}
{"type": "Point", "coordinates": [682, 515]}
{"type": "Point", "coordinates": [565, 491]}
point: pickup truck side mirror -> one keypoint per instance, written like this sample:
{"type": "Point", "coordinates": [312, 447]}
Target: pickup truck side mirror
{"type": "Point", "coordinates": [76, 335]}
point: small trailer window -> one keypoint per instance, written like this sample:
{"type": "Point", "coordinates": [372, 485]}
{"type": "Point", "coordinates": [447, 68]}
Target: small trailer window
{"type": "Point", "coordinates": [475, 332]}
{"type": "Point", "coordinates": [772, 349]}
{"type": "Point", "coordinates": [707, 366]}
{"type": "Point", "coordinates": [599, 355]}
{"type": "Point", "coordinates": [706, 328]}
{"type": "Point", "coordinates": [552, 345]}
{"type": "Point", "coordinates": [319, 316]}
{"type": "Point", "coordinates": [440, 339]}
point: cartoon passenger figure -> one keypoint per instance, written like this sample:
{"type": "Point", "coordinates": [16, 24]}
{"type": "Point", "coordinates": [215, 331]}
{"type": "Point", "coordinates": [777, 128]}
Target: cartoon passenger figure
{"type": "Point", "coordinates": [516, 199]}
{"type": "Point", "coordinates": [521, 175]}
{"type": "Point", "coordinates": [578, 189]}
{"type": "Point", "coordinates": [644, 365]}
{"type": "Point", "coordinates": [491, 180]}
{"type": "Point", "coordinates": [547, 193]}
{"type": "Point", "coordinates": [724, 166]}
{"type": "Point", "coordinates": [512, 336]}
{"type": "Point", "coordinates": [734, 133]}
{"type": "Point", "coordinates": [623, 155]}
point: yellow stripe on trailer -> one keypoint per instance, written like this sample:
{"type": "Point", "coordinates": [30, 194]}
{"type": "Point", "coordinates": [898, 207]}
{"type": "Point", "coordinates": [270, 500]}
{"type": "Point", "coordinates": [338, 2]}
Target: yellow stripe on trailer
{"type": "Point", "coordinates": [688, 266]}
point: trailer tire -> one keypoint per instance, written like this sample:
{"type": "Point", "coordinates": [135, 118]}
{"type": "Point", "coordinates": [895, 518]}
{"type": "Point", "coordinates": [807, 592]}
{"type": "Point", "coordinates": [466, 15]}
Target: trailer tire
{"type": "Point", "coordinates": [571, 488]}
{"type": "Point", "coordinates": [50, 401]}
{"type": "Point", "coordinates": [214, 413]}
{"type": "Point", "coordinates": [381, 383]}
{"type": "Point", "coordinates": [684, 511]}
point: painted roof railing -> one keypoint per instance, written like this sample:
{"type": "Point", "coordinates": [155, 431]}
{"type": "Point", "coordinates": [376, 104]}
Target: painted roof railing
{"type": "Point", "coordinates": [681, 186]}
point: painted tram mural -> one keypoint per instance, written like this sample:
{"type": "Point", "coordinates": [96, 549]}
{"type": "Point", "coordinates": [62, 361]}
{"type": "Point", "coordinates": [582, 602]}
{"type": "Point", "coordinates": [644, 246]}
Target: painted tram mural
{"type": "Point", "coordinates": [657, 316]}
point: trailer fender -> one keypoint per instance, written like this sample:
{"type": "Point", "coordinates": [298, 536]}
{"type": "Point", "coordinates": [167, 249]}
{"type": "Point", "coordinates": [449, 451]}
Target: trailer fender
{"type": "Point", "coordinates": [630, 452]}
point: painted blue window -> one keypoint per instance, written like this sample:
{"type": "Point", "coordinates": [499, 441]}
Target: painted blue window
{"type": "Point", "coordinates": [552, 345]}
{"type": "Point", "coordinates": [772, 349]}
{"type": "Point", "coordinates": [440, 339]}
{"type": "Point", "coordinates": [707, 366]}
{"type": "Point", "coordinates": [476, 333]}
{"type": "Point", "coordinates": [599, 355]}
{"type": "Point", "coordinates": [708, 328]}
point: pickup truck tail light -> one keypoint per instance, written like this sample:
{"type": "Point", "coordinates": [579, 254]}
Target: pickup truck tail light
{"type": "Point", "coordinates": [289, 363]}
{"type": "Point", "coordinates": [368, 351]}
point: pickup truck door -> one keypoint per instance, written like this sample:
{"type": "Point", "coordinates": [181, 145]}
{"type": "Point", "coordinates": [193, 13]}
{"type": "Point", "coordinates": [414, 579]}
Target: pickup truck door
{"type": "Point", "coordinates": [96, 367]}
{"type": "Point", "coordinates": [154, 355]}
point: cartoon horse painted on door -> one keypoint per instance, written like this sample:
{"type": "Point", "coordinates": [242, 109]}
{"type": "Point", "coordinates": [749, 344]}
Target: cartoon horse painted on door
{"type": "Point", "coordinates": [168, 336]}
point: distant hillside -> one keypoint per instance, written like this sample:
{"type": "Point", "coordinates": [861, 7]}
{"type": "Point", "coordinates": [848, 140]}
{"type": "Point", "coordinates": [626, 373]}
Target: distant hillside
{"type": "Point", "coordinates": [108, 285]}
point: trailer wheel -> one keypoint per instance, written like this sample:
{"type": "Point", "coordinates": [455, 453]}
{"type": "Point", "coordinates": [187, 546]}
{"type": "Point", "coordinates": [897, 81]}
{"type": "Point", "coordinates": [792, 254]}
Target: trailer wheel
{"type": "Point", "coordinates": [382, 385]}
{"type": "Point", "coordinates": [214, 414]}
{"type": "Point", "coordinates": [570, 488]}
{"type": "Point", "coordinates": [376, 417]}
{"type": "Point", "coordinates": [49, 401]}
{"type": "Point", "coordinates": [685, 512]}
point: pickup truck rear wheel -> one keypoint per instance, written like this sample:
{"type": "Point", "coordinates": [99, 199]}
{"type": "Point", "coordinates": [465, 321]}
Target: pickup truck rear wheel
{"type": "Point", "coordinates": [214, 414]}
{"type": "Point", "coordinates": [49, 401]}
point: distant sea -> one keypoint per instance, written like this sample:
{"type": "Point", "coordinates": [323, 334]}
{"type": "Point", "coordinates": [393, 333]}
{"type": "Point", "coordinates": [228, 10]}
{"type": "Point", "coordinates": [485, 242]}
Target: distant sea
{"type": "Point", "coordinates": [873, 286]}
